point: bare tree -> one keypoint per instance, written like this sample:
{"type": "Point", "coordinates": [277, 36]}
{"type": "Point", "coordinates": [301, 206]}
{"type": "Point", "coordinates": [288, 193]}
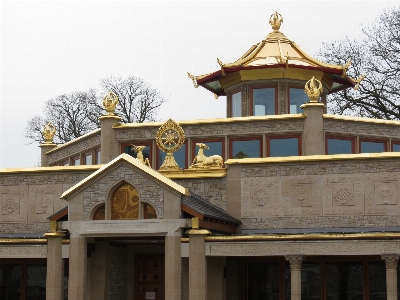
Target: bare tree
{"type": "Point", "coordinates": [138, 101]}
{"type": "Point", "coordinates": [73, 115]}
{"type": "Point", "coordinates": [377, 55]}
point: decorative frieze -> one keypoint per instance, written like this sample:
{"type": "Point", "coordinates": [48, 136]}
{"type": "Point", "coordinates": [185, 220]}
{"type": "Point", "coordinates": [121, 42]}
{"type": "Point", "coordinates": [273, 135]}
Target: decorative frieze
{"type": "Point", "coordinates": [382, 193]}
{"type": "Point", "coordinates": [13, 204]}
{"type": "Point", "coordinates": [44, 200]}
{"type": "Point", "coordinates": [36, 251]}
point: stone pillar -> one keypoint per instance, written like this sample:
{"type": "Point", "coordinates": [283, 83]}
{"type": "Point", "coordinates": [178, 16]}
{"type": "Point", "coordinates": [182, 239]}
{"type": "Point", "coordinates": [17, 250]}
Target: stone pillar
{"type": "Point", "coordinates": [313, 137]}
{"type": "Point", "coordinates": [391, 276]}
{"type": "Point", "coordinates": [55, 266]}
{"type": "Point", "coordinates": [44, 162]}
{"type": "Point", "coordinates": [173, 267]}
{"type": "Point", "coordinates": [109, 146]}
{"type": "Point", "coordinates": [77, 268]}
{"type": "Point", "coordinates": [197, 262]}
{"type": "Point", "coordinates": [295, 272]}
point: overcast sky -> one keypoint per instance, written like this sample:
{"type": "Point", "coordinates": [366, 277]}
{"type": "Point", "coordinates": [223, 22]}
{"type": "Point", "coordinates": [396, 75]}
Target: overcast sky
{"type": "Point", "coordinates": [53, 47]}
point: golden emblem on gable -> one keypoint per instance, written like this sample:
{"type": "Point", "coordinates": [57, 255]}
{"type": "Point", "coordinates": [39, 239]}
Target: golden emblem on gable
{"type": "Point", "coordinates": [125, 203]}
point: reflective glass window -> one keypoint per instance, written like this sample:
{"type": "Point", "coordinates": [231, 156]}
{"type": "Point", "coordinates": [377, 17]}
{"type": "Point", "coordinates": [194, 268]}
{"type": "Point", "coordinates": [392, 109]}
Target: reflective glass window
{"type": "Point", "coordinates": [245, 148]}
{"type": "Point", "coordinates": [88, 159]}
{"type": "Point", "coordinates": [377, 280]}
{"type": "Point", "coordinates": [264, 101]}
{"type": "Point", "coordinates": [396, 147]}
{"type": "Point", "coordinates": [345, 280]}
{"type": "Point", "coordinates": [127, 148]}
{"type": "Point", "coordinates": [310, 281]}
{"type": "Point", "coordinates": [179, 156]}
{"type": "Point", "coordinates": [35, 282]}
{"type": "Point", "coordinates": [10, 281]}
{"type": "Point", "coordinates": [372, 146]}
{"type": "Point", "coordinates": [237, 104]}
{"type": "Point", "coordinates": [98, 156]}
{"type": "Point", "coordinates": [262, 281]}
{"type": "Point", "coordinates": [339, 146]}
{"type": "Point", "coordinates": [77, 161]}
{"type": "Point", "coordinates": [297, 97]}
{"type": "Point", "coordinates": [283, 147]}
{"type": "Point", "coordinates": [214, 148]}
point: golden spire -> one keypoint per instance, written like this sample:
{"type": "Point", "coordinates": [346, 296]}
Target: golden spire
{"type": "Point", "coordinates": [110, 101]}
{"type": "Point", "coordinates": [312, 90]}
{"type": "Point", "coordinates": [48, 133]}
{"type": "Point", "coordinates": [276, 20]}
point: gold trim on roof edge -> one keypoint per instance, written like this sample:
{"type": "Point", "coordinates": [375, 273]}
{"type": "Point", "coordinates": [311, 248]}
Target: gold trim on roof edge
{"type": "Point", "coordinates": [51, 169]}
{"type": "Point", "coordinates": [137, 164]}
{"type": "Point", "coordinates": [194, 173]}
{"type": "Point", "coordinates": [296, 159]}
{"type": "Point", "coordinates": [28, 241]}
{"type": "Point", "coordinates": [218, 120]}
{"type": "Point", "coordinates": [361, 119]}
{"type": "Point", "coordinates": [75, 140]}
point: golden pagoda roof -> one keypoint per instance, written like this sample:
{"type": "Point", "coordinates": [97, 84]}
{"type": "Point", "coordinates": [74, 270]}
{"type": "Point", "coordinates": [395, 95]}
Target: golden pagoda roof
{"type": "Point", "coordinates": [274, 51]}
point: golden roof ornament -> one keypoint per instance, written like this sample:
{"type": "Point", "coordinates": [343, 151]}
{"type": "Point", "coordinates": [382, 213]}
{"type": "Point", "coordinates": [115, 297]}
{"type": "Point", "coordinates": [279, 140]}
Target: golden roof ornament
{"type": "Point", "coordinates": [358, 81]}
{"type": "Point", "coordinates": [206, 162]}
{"type": "Point", "coordinates": [345, 67]}
{"type": "Point", "coordinates": [312, 90]}
{"type": "Point", "coordinates": [139, 155]}
{"type": "Point", "coordinates": [110, 102]}
{"type": "Point", "coordinates": [276, 21]}
{"type": "Point", "coordinates": [169, 138]}
{"type": "Point", "coordinates": [48, 133]}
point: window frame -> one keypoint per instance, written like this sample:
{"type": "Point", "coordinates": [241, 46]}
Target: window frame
{"type": "Point", "coordinates": [85, 155]}
{"type": "Point", "coordinates": [159, 163]}
{"type": "Point", "coordinates": [194, 149]}
{"type": "Point", "coordinates": [252, 138]}
{"type": "Point", "coordinates": [394, 143]}
{"type": "Point", "coordinates": [272, 137]}
{"type": "Point", "coordinates": [255, 87]}
{"type": "Point", "coordinates": [230, 106]}
{"type": "Point", "coordinates": [385, 144]}
{"type": "Point", "coordinates": [338, 137]}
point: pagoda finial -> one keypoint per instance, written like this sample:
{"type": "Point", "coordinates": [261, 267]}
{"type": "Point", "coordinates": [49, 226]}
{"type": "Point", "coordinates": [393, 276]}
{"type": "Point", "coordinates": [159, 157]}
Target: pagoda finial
{"type": "Point", "coordinates": [276, 20]}
{"type": "Point", "coordinates": [313, 89]}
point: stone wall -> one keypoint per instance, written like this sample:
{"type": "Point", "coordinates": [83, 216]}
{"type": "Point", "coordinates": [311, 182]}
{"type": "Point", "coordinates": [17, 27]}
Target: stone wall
{"type": "Point", "coordinates": [81, 145]}
{"type": "Point", "coordinates": [321, 194]}
{"type": "Point", "coordinates": [210, 189]}
{"type": "Point", "coordinates": [117, 272]}
{"type": "Point", "coordinates": [28, 199]}
{"type": "Point", "coordinates": [149, 190]}
{"type": "Point", "coordinates": [362, 128]}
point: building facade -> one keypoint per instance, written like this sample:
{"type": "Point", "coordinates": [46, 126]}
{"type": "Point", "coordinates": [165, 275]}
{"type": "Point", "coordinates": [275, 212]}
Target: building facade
{"type": "Point", "coordinates": [277, 201]}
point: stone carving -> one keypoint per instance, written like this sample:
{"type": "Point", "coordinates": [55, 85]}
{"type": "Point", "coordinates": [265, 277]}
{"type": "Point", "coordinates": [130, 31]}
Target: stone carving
{"type": "Point", "coordinates": [13, 203]}
{"type": "Point", "coordinates": [343, 126]}
{"type": "Point", "coordinates": [382, 193]}
{"type": "Point", "coordinates": [23, 251]}
{"type": "Point", "coordinates": [44, 200]}
{"type": "Point", "coordinates": [245, 100]}
{"type": "Point", "coordinates": [295, 261]}
{"type": "Point", "coordinates": [390, 261]}
{"type": "Point", "coordinates": [301, 195]}
{"type": "Point", "coordinates": [260, 197]}
{"type": "Point", "coordinates": [83, 145]}
{"type": "Point", "coordinates": [343, 195]}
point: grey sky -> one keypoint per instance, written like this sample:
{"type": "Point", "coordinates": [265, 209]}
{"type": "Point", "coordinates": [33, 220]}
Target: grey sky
{"type": "Point", "coordinates": [53, 47]}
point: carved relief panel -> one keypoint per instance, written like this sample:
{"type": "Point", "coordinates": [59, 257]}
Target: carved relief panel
{"type": "Point", "coordinates": [44, 200]}
{"type": "Point", "coordinates": [343, 194]}
{"type": "Point", "coordinates": [260, 197]}
{"type": "Point", "coordinates": [13, 204]}
{"type": "Point", "coordinates": [382, 193]}
{"type": "Point", "coordinates": [301, 195]}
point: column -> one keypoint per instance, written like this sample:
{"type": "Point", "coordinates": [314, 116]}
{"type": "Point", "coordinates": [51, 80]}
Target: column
{"type": "Point", "coordinates": [197, 262]}
{"type": "Point", "coordinates": [45, 147]}
{"type": "Point", "coordinates": [295, 272]}
{"type": "Point", "coordinates": [173, 267]}
{"type": "Point", "coordinates": [391, 275]}
{"type": "Point", "coordinates": [55, 266]}
{"type": "Point", "coordinates": [109, 146]}
{"type": "Point", "coordinates": [77, 268]}
{"type": "Point", "coordinates": [314, 143]}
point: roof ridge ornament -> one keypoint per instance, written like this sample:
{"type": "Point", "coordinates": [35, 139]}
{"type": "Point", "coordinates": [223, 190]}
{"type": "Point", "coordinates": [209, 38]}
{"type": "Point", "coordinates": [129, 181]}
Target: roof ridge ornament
{"type": "Point", "coordinates": [194, 80]}
{"type": "Point", "coordinates": [110, 102]}
{"type": "Point", "coordinates": [48, 133]}
{"type": "Point", "coordinates": [358, 81]}
{"type": "Point", "coordinates": [345, 67]}
{"type": "Point", "coordinates": [276, 21]}
{"type": "Point", "coordinates": [312, 90]}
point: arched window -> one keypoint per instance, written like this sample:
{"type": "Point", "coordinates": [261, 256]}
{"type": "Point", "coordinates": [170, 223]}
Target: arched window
{"type": "Point", "coordinates": [100, 213]}
{"type": "Point", "coordinates": [125, 203]}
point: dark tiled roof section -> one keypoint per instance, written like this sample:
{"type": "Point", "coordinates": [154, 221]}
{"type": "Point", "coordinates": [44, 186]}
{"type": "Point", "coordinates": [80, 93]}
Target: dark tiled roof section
{"type": "Point", "coordinates": [207, 209]}
{"type": "Point", "coordinates": [59, 214]}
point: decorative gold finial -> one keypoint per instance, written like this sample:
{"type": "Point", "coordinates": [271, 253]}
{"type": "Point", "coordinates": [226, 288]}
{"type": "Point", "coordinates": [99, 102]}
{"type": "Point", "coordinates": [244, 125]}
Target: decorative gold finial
{"type": "Point", "coordinates": [345, 67]}
{"type": "Point", "coordinates": [169, 138]}
{"type": "Point", "coordinates": [139, 155]}
{"type": "Point", "coordinates": [358, 81]}
{"type": "Point", "coordinates": [276, 21]}
{"type": "Point", "coordinates": [48, 133]}
{"type": "Point", "coordinates": [194, 80]}
{"type": "Point", "coordinates": [313, 92]}
{"type": "Point", "coordinates": [221, 64]}
{"type": "Point", "coordinates": [110, 101]}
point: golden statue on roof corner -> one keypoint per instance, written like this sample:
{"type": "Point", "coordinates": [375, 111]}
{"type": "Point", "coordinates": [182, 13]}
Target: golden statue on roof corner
{"type": "Point", "coordinates": [169, 138]}
{"type": "Point", "coordinates": [312, 90]}
{"type": "Point", "coordinates": [276, 21]}
{"type": "Point", "coordinates": [139, 155]}
{"type": "Point", "coordinates": [110, 101]}
{"type": "Point", "coordinates": [48, 133]}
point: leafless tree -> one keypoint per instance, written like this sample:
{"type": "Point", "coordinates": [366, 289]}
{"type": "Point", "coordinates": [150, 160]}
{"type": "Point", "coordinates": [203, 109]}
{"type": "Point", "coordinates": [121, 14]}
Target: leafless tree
{"type": "Point", "coordinates": [138, 101]}
{"type": "Point", "coordinates": [73, 115]}
{"type": "Point", "coordinates": [377, 55]}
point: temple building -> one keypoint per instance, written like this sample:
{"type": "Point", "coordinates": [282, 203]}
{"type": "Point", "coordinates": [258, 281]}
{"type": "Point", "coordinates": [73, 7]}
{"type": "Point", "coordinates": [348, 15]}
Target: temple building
{"type": "Point", "coordinates": [279, 200]}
